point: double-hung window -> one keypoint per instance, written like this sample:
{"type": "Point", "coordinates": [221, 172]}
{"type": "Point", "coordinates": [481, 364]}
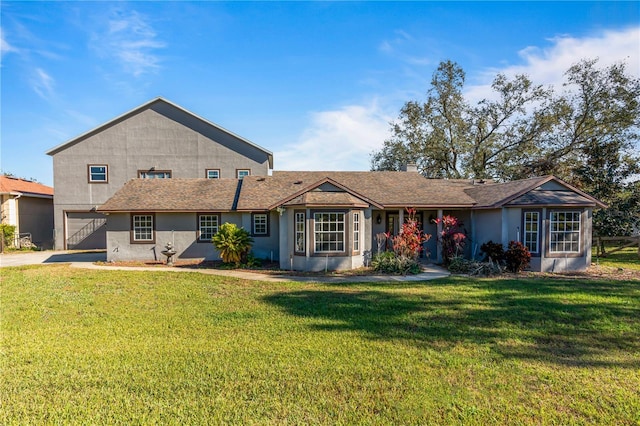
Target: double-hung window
{"type": "Point", "coordinates": [564, 232]}
{"type": "Point", "coordinates": [300, 232]}
{"type": "Point", "coordinates": [329, 232]}
{"type": "Point", "coordinates": [242, 173]}
{"type": "Point", "coordinates": [142, 228]}
{"type": "Point", "coordinates": [260, 224]}
{"type": "Point", "coordinates": [207, 226]}
{"type": "Point", "coordinates": [213, 173]}
{"type": "Point", "coordinates": [531, 234]}
{"type": "Point", "coordinates": [356, 232]}
{"type": "Point", "coordinates": [98, 173]}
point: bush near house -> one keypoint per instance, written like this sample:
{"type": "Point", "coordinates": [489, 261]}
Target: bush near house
{"type": "Point", "coordinates": [452, 238]}
{"type": "Point", "coordinates": [405, 249]}
{"type": "Point", "coordinates": [234, 243]}
{"type": "Point", "coordinates": [517, 257]}
{"type": "Point", "coordinates": [7, 232]}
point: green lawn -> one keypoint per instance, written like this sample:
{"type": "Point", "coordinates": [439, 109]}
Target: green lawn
{"type": "Point", "coordinates": [626, 258]}
{"type": "Point", "coordinates": [126, 347]}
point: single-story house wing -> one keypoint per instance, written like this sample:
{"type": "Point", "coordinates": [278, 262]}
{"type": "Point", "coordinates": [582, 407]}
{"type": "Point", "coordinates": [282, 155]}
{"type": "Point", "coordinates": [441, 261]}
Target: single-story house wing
{"type": "Point", "coordinates": [329, 220]}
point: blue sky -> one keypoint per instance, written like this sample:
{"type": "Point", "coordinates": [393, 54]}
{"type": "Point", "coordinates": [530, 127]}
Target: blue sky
{"type": "Point", "coordinates": [315, 83]}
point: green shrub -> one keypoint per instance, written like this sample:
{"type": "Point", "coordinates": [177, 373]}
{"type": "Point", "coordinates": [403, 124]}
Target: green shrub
{"type": "Point", "coordinates": [517, 257]}
{"type": "Point", "coordinates": [460, 265]}
{"type": "Point", "coordinates": [493, 251]}
{"type": "Point", "coordinates": [389, 263]}
{"type": "Point", "coordinates": [8, 232]}
{"type": "Point", "coordinates": [233, 243]}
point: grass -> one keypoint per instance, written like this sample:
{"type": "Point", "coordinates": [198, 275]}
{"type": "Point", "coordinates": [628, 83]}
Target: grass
{"type": "Point", "coordinates": [128, 347]}
{"type": "Point", "coordinates": [626, 258]}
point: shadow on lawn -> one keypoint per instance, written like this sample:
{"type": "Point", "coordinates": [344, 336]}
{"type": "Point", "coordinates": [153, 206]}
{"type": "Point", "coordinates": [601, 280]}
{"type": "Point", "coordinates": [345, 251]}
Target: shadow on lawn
{"type": "Point", "coordinates": [564, 322]}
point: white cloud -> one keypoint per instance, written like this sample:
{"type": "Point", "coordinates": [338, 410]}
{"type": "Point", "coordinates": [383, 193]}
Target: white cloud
{"type": "Point", "coordinates": [131, 40]}
{"type": "Point", "coordinates": [5, 47]}
{"type": "Point", "coordinates": [547, 65]}
{"type": "Point", "coordinates": [341, 139]}
{"type": "Point", "coordinates": [42, 83]}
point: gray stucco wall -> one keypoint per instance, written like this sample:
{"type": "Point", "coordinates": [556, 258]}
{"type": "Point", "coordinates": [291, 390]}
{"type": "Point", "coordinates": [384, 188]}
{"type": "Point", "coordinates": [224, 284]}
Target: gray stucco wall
{"type": "Point", "coordinates": [178, 228]}
{"type": "Point", "coordinates": [161, 137]}
{"type": "Point", "coordinates": [35, 215]}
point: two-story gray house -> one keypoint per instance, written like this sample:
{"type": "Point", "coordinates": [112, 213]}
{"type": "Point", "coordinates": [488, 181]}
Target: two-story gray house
{"type": "Point", "coordinates": [160, 174]}
{"type": "Point", "coordinates": [156, 140]}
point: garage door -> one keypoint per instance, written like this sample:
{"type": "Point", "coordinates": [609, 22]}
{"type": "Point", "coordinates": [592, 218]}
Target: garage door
{"type": "Point", "coordinates": [86, 231]}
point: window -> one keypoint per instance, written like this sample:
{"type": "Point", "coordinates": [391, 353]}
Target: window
{"type": "Point", "coordinates": [154, 174]}
{"type": "Point", "coordinates": [213, 173]}
{"type": "Point", "coordinates": [300, 232]}
{"type": "Point", "coordinates": [329, 232]}
{"type": "Point", "coordinates": [98, 173]}
{"type": "Point", "coordinates": [242, 173]}
{"type": "Point", "coordinates": [356, 232]}
{"type": "Point", "coordinates": [260, 224]}
{"type": "Point", "coordinates": [564, 232]}
{"type": "Point", "coordinates": [207, 226]}
{"type": "Point", "coordinates": [142, 228]}
{"type": "Point", "coordinates": [531, 231]}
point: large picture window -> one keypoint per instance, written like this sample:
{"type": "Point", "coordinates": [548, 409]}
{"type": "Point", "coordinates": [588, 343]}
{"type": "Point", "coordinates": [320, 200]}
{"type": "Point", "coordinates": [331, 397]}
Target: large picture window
{"type": "Point", "coordinates": [98, 173]}
{"type": "Point", "coordinates": [142, 228]}
{"type": "Point", "coordinates": [531, 235]}
{"type": "Point", "coordinates": [564, 232]}
{"type": "Point", "coordinates": [208, 225]}
{"type": "Point", "coordinates": [329, 232]}
{"type": "Point", "coordinates": [300, 232]}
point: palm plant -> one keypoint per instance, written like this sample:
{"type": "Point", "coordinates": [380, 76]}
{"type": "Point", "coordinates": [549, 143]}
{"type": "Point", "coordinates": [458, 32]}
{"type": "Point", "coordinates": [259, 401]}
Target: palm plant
{"type": "Point", "coordinates": [233, 243]}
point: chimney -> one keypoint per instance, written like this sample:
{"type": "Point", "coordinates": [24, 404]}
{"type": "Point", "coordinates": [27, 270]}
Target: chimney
{"type": "Point", "coordinates": [409, 167]}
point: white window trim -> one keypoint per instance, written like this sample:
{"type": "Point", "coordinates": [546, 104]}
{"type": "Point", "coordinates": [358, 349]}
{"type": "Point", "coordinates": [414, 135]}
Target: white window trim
{"type": "Point", "coordinates": [356, 232]}
{"type": "Point", "coordinates": [337, 222]}
{"type": "Point", "coordinates": [139, 228]}
{"type": "Point", "coordinates": [563, 233]}
{"type": "Point", "coordinates": [537, 232]}
{"type": "Point", "coordinates": [266, 223]}
{"type": "Point", "coordinates": [217, 171]}
{"type": "Point", "coordinates": [214, 228]}
{"type": "Point", "coordinates": [243, 170]}
{"type": "Point", "coordinates": [300, 219]}
{"type": "Point", "coordinates": [106, 173]}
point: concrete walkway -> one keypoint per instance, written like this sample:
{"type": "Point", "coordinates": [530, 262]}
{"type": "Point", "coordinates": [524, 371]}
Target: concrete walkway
{"type": "Point", "coordinates": [86, 260]}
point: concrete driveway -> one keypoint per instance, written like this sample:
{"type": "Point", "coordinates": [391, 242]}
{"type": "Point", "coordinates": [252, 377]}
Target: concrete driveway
{"type": "Point", "coordinates": [38, 257]}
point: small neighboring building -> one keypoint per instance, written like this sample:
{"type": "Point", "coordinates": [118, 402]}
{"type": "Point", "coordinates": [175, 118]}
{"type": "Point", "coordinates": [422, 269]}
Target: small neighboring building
{"type": "Point", "coordinates": [156, 140]}
{"type": "Point", "coordinates": [28, 206]}
{"type": "Point", "coordinates": [313, 221]}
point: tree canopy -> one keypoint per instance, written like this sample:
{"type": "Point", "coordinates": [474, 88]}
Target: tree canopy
{"type": "Point", "coordinates": [585, 132]}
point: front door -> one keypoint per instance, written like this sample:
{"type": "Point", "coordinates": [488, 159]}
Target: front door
{"type": "Point", "coordinates": [393, 223]}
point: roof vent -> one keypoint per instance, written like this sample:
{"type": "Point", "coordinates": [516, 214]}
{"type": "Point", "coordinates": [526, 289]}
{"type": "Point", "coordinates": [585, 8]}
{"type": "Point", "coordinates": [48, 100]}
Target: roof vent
{"type": "Point", "coordinates": [409, 167]}
{"type": "Point", "coordinates": [260, 179]}
{"type": "Point", "coordinates": [298, 182]}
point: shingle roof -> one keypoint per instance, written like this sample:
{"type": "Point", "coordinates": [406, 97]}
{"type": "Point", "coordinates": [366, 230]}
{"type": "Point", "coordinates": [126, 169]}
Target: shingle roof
{"type": "Point", "coordinates": [10, 184]}
{"type": "Point", "coordinates": [496, 194]}
{"type": "Point", "coordinates": [379, 189]}
{"type": "Point", "coordinates": [173, 195]}
{"type": "Point", "coordinates": [551, 198]}
{"type": "Point", "coordinates": [389, 189]}
{"type": "Point", "coordinates": [493, 195]}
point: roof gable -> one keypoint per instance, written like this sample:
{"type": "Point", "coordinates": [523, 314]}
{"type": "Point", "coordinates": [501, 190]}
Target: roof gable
{"type": "Point", "coordinates": [550, 190]}
{"type": "Point", "coordinates": [181, 115]}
